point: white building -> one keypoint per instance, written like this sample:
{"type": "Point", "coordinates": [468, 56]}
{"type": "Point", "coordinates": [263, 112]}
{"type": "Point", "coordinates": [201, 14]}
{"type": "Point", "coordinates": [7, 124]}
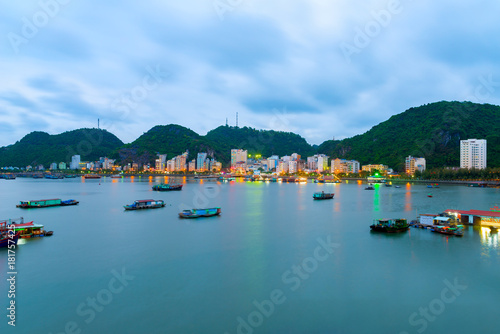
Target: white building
{"type": "Point", "coordinates": [473, 153]}
{"type": "Point", "coordinates": [75, 162]}
{"type": "Point", "coordinates": [292, 166]}
{"type": "Point", "coordinates": [53, 166]}
{"type": "Point", "coordinates": [413, 164]}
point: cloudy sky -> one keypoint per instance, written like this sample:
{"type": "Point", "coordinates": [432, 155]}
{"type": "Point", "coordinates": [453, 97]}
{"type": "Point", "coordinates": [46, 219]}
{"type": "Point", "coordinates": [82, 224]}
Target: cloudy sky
{"type": "Point", "coordinates": [320, 68]}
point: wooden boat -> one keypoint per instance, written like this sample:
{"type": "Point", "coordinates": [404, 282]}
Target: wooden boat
{"type": "Point", "coordinates": [429, 195]}
{"type": "Point", "coordinates": [116, 176]}
{"type": "Point", "coordinates": [433, 185]}
{"type": "Point", "coordinates": [323, 195]}
{"type": "Point", "coordinates": [388, 185]}
{"type": "Point", "coordinates": [370, 187]}
{"type": "Point", "coordinates": [457, 230]}
{"type": "Point", "coordinates": [7, 176]}
{"type": "Point", "coordinates": [145, 204]}
{"type": "Point", "coordinates": [198, 213]}
{"type": "Point", "coordinates": [45, 203]}
{"type": "Point", "coordinates": [31, 230]}
{"type": "Point", "coordinates": [167, 187]}
{"type": "Point", "coordinates": [397, 187]}
{"type": "Point", "coordinates": [390, 225]}
{"type": "Point", "coordinates": [7, 236]}
{"type": "Point", "coordinates": [92, 176]}
{"type": "Point", "coordinates": [54, 177]}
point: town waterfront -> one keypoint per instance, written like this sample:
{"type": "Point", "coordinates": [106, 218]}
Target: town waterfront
{"type": "Point", "coordinates": [275, 261]}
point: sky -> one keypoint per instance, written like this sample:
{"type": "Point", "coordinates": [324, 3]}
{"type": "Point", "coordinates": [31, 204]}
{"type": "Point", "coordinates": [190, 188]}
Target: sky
{"type": "Point", "coordinates": [321, 68]}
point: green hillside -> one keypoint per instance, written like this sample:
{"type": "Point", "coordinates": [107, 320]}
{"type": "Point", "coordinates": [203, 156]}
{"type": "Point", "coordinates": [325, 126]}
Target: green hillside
{"type": "Point", "coordinates": [42, 148]}
{"type": "Point", "coordinates": [169, 139]}
{"type": "Point", "coordinates": [264, 142]}
{"type": "Point", "coordinates": [174, 140]}
{"type": "Point", "coordinates": [433, 131]}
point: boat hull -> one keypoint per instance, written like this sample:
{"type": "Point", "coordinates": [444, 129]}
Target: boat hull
{"type": "Point", "coordinates": [383, 229]}
{"type": "Point", "coordinates": [4, 241]}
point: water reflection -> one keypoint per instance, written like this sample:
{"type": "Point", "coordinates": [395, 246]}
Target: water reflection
{"type": "Point", "coordinates": [488, 238]}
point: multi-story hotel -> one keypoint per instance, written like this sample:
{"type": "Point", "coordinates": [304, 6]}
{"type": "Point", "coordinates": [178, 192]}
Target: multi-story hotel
{"type": "Point", "coordinates": [238, 157]}
{"type": "Point", "coordinates": [473, 153]}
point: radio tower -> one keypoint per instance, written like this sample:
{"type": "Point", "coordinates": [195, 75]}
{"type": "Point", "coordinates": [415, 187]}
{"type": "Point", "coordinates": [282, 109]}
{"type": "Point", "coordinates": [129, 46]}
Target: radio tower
{"type": "Point", "coordinates": [236, 119]}
{"type": "Point", "coordinates": [98, 123]}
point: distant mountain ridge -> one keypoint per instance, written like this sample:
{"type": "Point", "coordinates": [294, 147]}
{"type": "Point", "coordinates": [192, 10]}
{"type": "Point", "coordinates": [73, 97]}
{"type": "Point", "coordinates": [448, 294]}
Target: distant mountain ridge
{"type": "Point", "coordinates": [433, 131]}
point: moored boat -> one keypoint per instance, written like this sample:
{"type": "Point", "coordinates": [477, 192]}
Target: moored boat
{"type": "Point", "coordinates": [198, 213]}
{"type": "Point", "coordinates": [457, 230]}
{"type": "Point", "coordinates": [167, 187]}
{"type": "Point", "coordinates": [370, 187]}
{"type": "Point", "coordinates": [116, 176]}
{"type": "Point", "coordinates": [322, 195]}
{"type": "Point", "coordinates": [92, 176]}
{"type": "Point", "coordinates": [390, 225]}
{"type": "Point", "coordinates": [31, 230]}
{"type": "Point", "coordinates": [45, 203]}
{"type": "Point", "coordinates": [145, 204]}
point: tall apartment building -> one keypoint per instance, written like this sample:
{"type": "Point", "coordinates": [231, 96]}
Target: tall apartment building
{"type": "Point", "coordinates": [238, 157]}
{"type": "Point", "coordinates": [161, 162]}
{"type": "Point", "coordinates": [200, 162]}
{"type": "Point", "coordinates": [75, 162]}
{"type": "Point", "coordinates": [473, 153]}
{"type": "Point", "coordinates": [413, 164]}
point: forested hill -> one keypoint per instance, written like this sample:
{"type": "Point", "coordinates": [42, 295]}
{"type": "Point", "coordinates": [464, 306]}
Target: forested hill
{"type": "Point", "coordinates": [41, 148]}
{"type": "Point", "coordinates": [433, 131]}
{"type": "Point", "coordinates": [174, 140]}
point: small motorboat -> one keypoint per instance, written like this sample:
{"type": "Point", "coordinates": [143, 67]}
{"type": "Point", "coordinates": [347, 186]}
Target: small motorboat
{"type": "Point", "coordinates": [198, 213]}
{"type": "Point", "coordinates": [323, 195]}
{"type": "Point", "coordinates": [145, 204]}
{"type": "Point", "coordinates": [167, 187]}
{"type": "Point", "coordinates": [429, 195]}
{"type": "Point", "coordinates": [370, 187]}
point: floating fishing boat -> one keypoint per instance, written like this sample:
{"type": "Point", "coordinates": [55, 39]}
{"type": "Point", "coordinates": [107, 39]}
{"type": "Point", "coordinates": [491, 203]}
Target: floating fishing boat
{"type": "Point", "coordinates": [54, 177]}
{"type": "Point", "coordinates": [116, 176]}
{"type": "Point", "coordinates": [397, 187]}
{"type": "Point", "coordinates": [92, 176]}
{"type": "Point", "coordinates": [167, 187]}
{"type": "Point", "coordinates": [370, 187]}
{"type": "Point", "coordinates": [198, 213]}
{"type": "Point", "coordinates": [457, 230]}
{"type": "Point", "coordinates": [145, 204]}
{"type": "Point", "coordinates": [429, 195]}
{"type": "Point", "coordinates": [433, 185]}
{"type": "Point", "coordinates": [322, 195]}
{"type": "Point", "coordinates": [389, 225]}
{"type": "Point", "coordinates": [7, 176]}
{"type": "Point", "coordinates": [45, 203]}
{"type": "Point", "coordinates": [388, 185]}
{"type": "Point", "coordinates": [31, 230]}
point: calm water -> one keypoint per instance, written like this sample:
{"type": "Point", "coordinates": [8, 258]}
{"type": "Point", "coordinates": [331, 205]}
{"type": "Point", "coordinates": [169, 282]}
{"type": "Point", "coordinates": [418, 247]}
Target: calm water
{"type": "Point", "coordinates": [263, 266]}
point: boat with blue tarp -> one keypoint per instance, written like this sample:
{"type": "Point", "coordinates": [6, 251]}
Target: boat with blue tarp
{"type": "Point", "coordinates": [145, 204]}
{"type": "Point", "coordinates": [198, 213]}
